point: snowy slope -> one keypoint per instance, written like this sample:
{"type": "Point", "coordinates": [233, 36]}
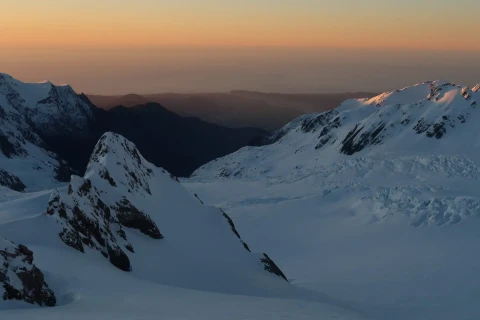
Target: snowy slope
{"type": "Point", "coordinates": [122, 203]}
{"type": "Point", "coordinates": [375, 202]}
{"type": "Point", "coordinates": [128, 241]}
{"type": "Point", "coordinates": [29, 111]}
{"type": "Point", "coordinates": [434, 117]}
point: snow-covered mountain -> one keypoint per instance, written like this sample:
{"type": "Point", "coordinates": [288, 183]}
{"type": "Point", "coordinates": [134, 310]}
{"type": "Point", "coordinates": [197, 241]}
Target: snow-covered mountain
{"type": "Point", "coordinates": [30, 112]}
{"type": "Point", "coordinates": [416, 138]}
{"type": "Point", "coordinates": [123, 202]}
{"type": "Point", "coordinates": [378, 200]}
{"type": "Point", "coordinates": [139, 218]}
{"type": "Point", "coordinates": [49, 109]}
{"type": "Point", "coordinates": [428, 118]}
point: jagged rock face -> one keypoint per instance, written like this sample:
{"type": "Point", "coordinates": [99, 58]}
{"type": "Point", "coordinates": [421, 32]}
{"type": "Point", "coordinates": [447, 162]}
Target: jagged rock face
{"type": "Point", "coordinates": [271, 267]}
{"type": "Point", "coordinates": [129, 216]}
{"type": "Point", "coordinates": [20, 278]}
{"type": "Point", "coordinates": [96, 208]}
{"type": "Point", "coordinates": [265, 260]}
{"type": "Point", "coordinates": [306, 124]}
{"type": "Point", "coordinates": [114, 202]}
{"type": "Point", "coordinates": [11, 181]}
{"type": "Point", "coordinates": [234, 230]}
{"type": "Point", "coordinates": [421, 117]}
{"type": "Point", "coordinates": [87, 221]}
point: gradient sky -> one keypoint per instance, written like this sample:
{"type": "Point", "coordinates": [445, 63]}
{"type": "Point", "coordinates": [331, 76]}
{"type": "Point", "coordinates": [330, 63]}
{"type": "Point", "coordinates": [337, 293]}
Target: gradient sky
{"type": "Point", "coordinates": [70, 40]}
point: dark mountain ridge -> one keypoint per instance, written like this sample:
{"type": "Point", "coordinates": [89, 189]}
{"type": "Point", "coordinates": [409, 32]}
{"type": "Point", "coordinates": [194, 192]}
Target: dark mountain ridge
{"type": "Point", "coordinates": [180, 145]}
{"type": "Point", "coordinates": [47, 132]}
{"type": "Point", "coordinates": [269, 111]}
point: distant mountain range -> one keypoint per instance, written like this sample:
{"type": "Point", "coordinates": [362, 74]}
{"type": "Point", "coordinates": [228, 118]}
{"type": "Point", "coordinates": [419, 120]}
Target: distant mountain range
{"type": "Point", "coordinates": [235, 109]}
{"type": "Point", "coordinates": [48, 132]}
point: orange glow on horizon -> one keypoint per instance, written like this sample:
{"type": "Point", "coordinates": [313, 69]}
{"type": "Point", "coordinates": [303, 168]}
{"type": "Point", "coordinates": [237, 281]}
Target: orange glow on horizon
{"type": "Point", "coordinates": [124, 25]}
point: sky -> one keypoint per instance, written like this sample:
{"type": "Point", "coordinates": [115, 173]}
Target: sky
{"type": "Point", "coordinates": [120, 46]}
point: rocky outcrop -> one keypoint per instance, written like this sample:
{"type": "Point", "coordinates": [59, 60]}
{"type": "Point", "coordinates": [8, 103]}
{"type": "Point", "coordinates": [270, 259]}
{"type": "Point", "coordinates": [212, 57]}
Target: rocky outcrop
{"type": "Point", "coordinates": [100, 211]}
{"type": "Point", "coordinates": [234, 230]}
{"type": "Point", "coordinates": [359, 138]}
{"type": "Point", "coordinates": [87, 221]}
{"type": "Point", "coordinates": [96, 209]}
{"type": "Point", "coordinates": [271, 267]}
{"type": "Point", "coordinates": [131, 217]}
{"type": "Point", "coordinates": [20, 278]}
{"type": "Point", "coordinates": [11, 181]}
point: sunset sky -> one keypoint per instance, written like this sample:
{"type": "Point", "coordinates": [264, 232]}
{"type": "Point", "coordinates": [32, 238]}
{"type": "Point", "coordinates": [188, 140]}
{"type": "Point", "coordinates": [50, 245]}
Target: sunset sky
{"type": "Point", "coordinates": [68, 36]}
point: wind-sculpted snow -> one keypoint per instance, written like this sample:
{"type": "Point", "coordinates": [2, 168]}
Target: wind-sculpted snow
{"type": "Point", "coordinates": [20, 279]}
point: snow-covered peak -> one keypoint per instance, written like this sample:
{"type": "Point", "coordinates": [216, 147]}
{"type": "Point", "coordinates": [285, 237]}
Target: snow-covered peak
{"type": "Point", "coordinates": [435, 122]}
{"type": "Point", "coordinates": [4, 78]}
{"type": "Point", "coordinates": [49, 108]}
{"type": "Point", "coordinates": [30, 114]}
{"type": "Point", "coordinates": [117, 161]}
{"type": "Point", "coordinates": [112, 147]}
{"type": "Point", "coordinates": [142, 220]}
{"type": "Point", "coordinates": [403, 96]}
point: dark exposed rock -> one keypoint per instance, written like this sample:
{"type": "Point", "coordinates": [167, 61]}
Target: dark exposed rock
{"type": "Point", "coordinates": [196, 196]}
{"type": "Point", "coordinates": [437, 130]}
{"type": "Point", "coordinates": [10, 149]}
{"type": "Point", "coordinates": [94, 219]}
{"type": "Point", "coordinates": [271, 267]}
{"type": "Point", "coordinates": [119, 259]}
{"type": "Point", "coordinates": [323, 141]}
{"type": "Point", "coordinates": [106, 175]}
{"type": "Point", "coordinates": [323, 119]}
{"type": "Point", "coordinates": [421, 126]}
{"type": "Point", "coordinates": [17, 261]}
{"type": "Point", "coordinates": [351, 144]}
{"type": "Point", "coordinates": [232, 226]}
{"type": "Point", "coordinates": [11, 181]}
{"type": "Point", "coordinates": [87, 221]}
{"type": "Point", "coordinates": [129, 216]}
